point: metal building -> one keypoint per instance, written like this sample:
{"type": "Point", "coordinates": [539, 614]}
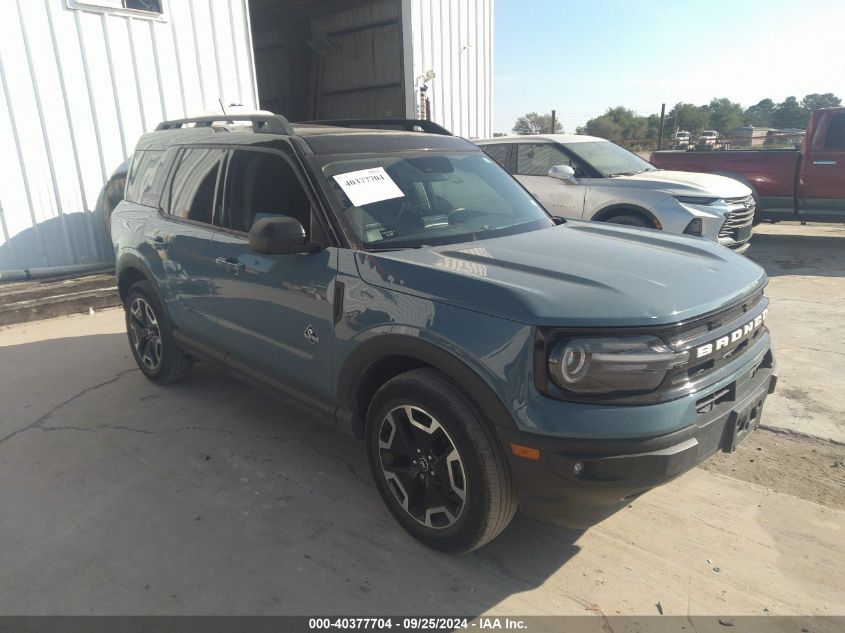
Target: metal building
{"type": "Point", "coordinates": [82, 79]}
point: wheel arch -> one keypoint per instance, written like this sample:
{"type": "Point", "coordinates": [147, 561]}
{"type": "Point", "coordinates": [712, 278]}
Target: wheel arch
{"type": "Point", "coordinates": [370, 366]}
{"type": "Point", "coordinates": [609, 211]}
{"type": "Point", "coordinates": [130, 270]}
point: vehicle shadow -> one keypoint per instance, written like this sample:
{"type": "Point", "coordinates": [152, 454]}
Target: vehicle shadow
{"type": "Point", "coordinates": [799, 254]}
{"type": "Point", "coordinates": [211, 497]}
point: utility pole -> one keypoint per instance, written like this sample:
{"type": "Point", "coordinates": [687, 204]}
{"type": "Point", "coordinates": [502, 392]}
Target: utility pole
{"type": "Point", "coordinates": [553, 122]}
{"type": "Point", "coordinates": [662, 121]}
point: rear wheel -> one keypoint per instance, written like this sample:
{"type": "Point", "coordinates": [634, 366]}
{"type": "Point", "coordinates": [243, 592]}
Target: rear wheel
{"type": "Point", "coordinates": [436, 464]}
{"type": "Point", "coordinates": [151, 336]}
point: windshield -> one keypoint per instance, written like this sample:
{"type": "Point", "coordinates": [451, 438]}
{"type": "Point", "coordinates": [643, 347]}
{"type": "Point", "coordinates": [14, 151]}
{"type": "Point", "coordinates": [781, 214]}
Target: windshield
{"type": "Point", "coordinates": [413, 199]}
{"type": "Point", "coordinates": [609, 159]}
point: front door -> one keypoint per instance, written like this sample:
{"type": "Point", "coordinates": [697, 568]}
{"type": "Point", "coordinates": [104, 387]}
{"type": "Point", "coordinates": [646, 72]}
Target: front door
{"type": "Point", "coordinates": [533, 162]}
{"type": "Point", "coordinates": [822, 187]}
{"type": "Point", "coordinates": [274, 311]}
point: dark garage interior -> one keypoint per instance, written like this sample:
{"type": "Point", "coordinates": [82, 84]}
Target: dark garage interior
{"type": "Point", "coordinates": [325, 59]}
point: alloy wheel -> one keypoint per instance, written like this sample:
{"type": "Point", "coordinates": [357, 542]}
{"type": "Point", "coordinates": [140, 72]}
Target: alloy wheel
{"type": "Point", "coordinates": [145, 333]}
{"type": "Point", "coordinates": [422, 467]}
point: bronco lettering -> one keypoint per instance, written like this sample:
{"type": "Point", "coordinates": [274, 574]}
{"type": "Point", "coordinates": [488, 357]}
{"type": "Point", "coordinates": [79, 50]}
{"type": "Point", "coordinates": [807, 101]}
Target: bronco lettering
{"type": "Point", "coordinates": [705, 350]}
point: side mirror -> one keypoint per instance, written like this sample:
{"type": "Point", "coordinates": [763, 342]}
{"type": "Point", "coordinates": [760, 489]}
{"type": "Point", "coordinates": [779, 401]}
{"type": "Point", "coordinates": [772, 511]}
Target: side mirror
{"type": "Point", "coordinates": [564, 173]}
{"type": "Point", "coordinates": [280, 235]}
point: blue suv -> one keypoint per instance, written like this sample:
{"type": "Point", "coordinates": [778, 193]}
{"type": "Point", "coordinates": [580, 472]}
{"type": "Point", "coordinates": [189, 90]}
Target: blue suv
{"type": "Point", "coordinates": [404, 285]}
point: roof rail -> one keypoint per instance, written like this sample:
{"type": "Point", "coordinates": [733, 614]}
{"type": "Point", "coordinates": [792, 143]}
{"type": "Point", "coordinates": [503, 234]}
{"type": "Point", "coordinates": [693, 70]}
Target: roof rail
{"type": "Point", "coordinates": [261, 123]}
{"type": "Point", "coordinates": [409, 125]}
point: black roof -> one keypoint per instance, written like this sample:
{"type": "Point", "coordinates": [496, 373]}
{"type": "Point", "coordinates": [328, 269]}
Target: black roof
{"type": "Point", "coordinates": [336, 138]}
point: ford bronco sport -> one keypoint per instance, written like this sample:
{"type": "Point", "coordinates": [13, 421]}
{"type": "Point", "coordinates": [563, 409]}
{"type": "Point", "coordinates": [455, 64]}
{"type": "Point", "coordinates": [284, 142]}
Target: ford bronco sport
{"type": "Point", "coordinates": [407, 287]}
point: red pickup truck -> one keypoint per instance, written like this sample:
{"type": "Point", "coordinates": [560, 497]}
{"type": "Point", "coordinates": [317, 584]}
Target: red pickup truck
{"type": "Point", "coordinates": [805, 184]}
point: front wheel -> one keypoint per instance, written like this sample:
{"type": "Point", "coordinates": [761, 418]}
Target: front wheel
{"type": "Point", "coordinates": [629, 219]}
{"type": "Point", "coordinates": [436, 464]}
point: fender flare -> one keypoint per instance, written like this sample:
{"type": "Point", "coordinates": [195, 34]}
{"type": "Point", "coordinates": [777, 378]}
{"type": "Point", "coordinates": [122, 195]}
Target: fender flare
{"type": "Point", "coordinates": [355, 371]}
{"type": "Point", "coordinates": [127, 261]}
{"type": "Point", "coordinates": [605, 211]}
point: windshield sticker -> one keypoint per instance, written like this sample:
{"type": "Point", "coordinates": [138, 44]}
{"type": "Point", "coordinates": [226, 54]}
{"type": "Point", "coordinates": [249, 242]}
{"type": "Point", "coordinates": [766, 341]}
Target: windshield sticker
{"type": "Point", "coordinates": [368, 185]}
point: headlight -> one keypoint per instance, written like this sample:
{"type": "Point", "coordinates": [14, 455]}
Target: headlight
{"type": "Point", "coordinates": [607, 365]}
{"type": "Point", "coordinates": [695, 200]}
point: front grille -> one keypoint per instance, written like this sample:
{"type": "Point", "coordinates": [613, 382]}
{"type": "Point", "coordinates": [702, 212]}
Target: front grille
{"type": "Point", "coordinates": [738, 220]}
{"type": "Point", "coordinates": [695, 373]}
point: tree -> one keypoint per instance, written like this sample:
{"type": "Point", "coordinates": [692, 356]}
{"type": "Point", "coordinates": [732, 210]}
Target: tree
{"type": "Point", "coordinates": [533, 123]}
{"type": "Point", "coordinates": [690, 117]}
{"type": "Point", "coordinates": [760, 114]}
{"type": "Point", "coordinates": [816, 101]}
{"type": "Point", "coordinates": [603, 127]}
{"type": "Point", "coordinates": [725, 115]}
{"type": "Point", "coordinates": [789, 114]}
{"type": "Point", "coordinates": [617, 124]}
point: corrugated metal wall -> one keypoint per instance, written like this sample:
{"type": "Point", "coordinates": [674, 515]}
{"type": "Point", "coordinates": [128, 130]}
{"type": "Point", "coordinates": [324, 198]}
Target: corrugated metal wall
{"type": "Point", "coordinates": [79, 87]}
{"type": "Point", "coordinates": [454, 38]}
{"type": "Point", "coordinates": [81, 83]}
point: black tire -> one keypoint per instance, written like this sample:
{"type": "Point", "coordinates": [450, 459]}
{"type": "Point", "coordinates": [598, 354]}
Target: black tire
{"type": "Point", "coordinates": [172, 364]}
{"type": "Point", "coordinates": [490, 498]}
{"type": "Point", "coordinates": [629, 219]}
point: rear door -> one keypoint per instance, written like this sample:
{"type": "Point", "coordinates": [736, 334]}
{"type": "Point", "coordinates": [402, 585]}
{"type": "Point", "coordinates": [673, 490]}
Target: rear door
{"type": "Point", "coordinates": [180, 238]}
{"type": "Point", "coordinates": [274, 311]}
{"type": "Point", "coordinates": [821, 190]}
{"type": "Point", "coordinates": [533, 162]}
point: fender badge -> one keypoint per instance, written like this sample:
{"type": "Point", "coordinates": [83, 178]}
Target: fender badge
{"type": "Point", "coordinates": [311, 335]}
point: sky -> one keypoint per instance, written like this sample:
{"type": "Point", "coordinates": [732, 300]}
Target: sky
{"type": "Point", "coordinates": [582, 57]}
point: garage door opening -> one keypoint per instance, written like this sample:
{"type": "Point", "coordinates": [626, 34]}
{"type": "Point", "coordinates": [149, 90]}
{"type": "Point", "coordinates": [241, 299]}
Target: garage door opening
{"type": "Point", "coordinates": [329, 59]}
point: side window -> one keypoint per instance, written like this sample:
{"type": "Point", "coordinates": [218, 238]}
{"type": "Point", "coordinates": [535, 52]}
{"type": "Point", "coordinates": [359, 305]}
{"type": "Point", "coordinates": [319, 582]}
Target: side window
{"type": "Point", "coordinates": [262, 184]}
{"type": "Point", "coordinates": [194, 185]}
{"type": "Point", "coordinates": [499, 153]}
{"type": "Point", "coordinates": [142, 173]}
{"type": "Point", "coordinates": [835, 138]}
{"type": "Point", "coordinates": [537, 159]}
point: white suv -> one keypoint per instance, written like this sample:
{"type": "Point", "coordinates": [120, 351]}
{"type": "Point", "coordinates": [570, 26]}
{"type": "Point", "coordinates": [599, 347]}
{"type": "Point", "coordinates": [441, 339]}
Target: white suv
{"type": "Point", "coordinates": [590, 178]}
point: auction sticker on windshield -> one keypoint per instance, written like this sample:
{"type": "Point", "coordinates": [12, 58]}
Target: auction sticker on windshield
{"type": "Point", "coordinates": [368, 185]}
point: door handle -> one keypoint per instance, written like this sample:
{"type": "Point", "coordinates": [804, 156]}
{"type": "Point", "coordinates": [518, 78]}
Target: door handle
{"type": "Point", "coordinates": [824, 162]}
{"type": "Point", "coordinates": [231, 264]}
{"type": "Point", "coordinates": [159, 243]}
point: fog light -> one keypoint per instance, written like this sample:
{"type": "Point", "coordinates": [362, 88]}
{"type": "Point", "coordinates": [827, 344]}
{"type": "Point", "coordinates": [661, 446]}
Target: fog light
{"type": "Point", "coordinates": [695, 227]}
{"type": "Point", "coordinates": [579, 466]}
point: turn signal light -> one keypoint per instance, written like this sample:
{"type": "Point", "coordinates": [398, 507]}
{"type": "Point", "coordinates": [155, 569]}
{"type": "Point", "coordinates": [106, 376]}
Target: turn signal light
{"type": "Point", "coordinates": [526, 452]}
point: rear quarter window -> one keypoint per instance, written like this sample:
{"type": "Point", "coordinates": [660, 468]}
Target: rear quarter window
{"type": "Point", "coordinates": [140, 183]}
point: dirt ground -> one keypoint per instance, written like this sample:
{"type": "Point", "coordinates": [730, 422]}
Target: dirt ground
{"type": "Point", "coordinates": [804, 467]}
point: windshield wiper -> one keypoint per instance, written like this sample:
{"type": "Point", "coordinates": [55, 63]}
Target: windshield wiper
{"type": "Point", "coordinates": [398, 247]}
{"type": "Point", "coordinates": [629, 173]}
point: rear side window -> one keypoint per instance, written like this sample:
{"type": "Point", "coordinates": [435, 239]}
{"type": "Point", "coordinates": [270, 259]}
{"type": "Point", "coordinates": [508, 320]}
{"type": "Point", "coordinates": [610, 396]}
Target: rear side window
{"type": "Point", "coordinates": [537, 159]}
{"type": "Point", "coordinates": [499, 153]}
{"type": "Point", "coordinates": [835, 138]}
{"type": "Point", "coordinates": [193, 189]}
{"type": "Point", "coordinates": [142, 175]}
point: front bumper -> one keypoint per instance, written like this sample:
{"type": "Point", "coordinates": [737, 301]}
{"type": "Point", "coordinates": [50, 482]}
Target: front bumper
{"type": "Point", "coordinates": [581, 482]}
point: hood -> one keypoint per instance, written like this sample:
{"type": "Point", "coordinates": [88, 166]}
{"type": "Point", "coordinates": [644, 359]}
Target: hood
{"type": "Point", "coordinates": [580, 274]}
{"type": "Point", "coordinates": [684, 183]}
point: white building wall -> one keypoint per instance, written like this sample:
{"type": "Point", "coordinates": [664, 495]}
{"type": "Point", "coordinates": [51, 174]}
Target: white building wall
{"type": "Point", "coordinates": [454, 38]}
{"type": "Point", "coordinates": [80, 83]}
